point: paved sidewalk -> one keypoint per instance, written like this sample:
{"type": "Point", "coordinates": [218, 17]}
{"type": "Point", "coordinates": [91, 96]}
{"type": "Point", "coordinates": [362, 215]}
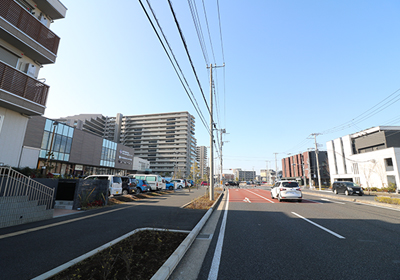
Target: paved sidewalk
{"type": "Point", "coordinates": [32, 249]}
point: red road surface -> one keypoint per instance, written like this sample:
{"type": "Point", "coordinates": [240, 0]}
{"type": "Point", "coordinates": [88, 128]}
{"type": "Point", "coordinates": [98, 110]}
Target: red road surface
{"type": "Point", "coordinates": [255, 196]}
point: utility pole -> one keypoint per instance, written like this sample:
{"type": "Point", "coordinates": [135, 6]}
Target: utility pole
{"type": "Point", "coordinates": [276, 167]}
{"type": "Point", "coordinates": [309, 168]}
{"type": "Point", "coordinates": [212, 134]}
{"type": "Point", "coordinates": [211, 139]}
{"type": "Point", "coordinates": [316, 154]}
{"type": "Point", "coordinates": [221, 144]}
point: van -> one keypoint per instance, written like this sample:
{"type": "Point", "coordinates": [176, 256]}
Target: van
{"type": "Point", "coordinates": [156, 182]}
{"type": "Point", "coordinates": [115, 183]}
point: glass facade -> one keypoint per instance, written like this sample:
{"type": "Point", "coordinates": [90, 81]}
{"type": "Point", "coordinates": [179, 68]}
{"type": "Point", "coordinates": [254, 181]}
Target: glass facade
{"type": "Point", "coordinates": [59, 137]}
{"type": "Point", "coordinates": [108, 153]}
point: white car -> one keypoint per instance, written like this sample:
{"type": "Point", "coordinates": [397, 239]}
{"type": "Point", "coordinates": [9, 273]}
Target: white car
{"type": "Point", "coordinates": [179, 183]}
{"type": "Point", "coordinates": [286, 190]}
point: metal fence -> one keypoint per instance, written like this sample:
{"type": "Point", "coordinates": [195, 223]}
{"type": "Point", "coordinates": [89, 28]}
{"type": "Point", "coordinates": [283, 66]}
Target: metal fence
{"type": "Point", "coordinates": [13, 183]}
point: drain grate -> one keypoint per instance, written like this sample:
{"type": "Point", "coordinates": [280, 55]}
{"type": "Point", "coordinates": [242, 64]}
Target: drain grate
{"type": "Point", "coordinates": [204, 236]}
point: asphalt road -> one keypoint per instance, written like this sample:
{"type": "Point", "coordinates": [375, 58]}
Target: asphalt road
{"type": "Point", "coordinates": [319, 238]}
{"type": "Point", "coordinates": [32, 249]}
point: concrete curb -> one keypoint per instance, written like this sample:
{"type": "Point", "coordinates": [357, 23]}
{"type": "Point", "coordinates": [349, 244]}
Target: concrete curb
{"type": "Point", "coordinates": [350, 199]}
{"type": "Point", "coordinates": [168, 267]}
{"type": "Point", "coordinates": [62, 267]}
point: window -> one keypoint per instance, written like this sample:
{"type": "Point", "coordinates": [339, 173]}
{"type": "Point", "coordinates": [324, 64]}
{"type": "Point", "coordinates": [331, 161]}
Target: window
{"type": "Point", "coordinates": [389, 164]}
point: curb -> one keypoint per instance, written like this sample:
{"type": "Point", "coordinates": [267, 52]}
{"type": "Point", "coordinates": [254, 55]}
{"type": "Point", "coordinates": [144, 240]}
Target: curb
{"type": "Point", "coordinates": [62, 267]}
{"type": "Point", "coordinates": [168, 267]}
{"type": "Point", "coordinates": [375, 203]}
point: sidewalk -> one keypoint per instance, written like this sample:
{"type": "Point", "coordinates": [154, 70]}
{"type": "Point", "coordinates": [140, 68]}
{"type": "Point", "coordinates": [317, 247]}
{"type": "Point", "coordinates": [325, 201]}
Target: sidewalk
{"type": "Point", "coordinates": [32, 249]}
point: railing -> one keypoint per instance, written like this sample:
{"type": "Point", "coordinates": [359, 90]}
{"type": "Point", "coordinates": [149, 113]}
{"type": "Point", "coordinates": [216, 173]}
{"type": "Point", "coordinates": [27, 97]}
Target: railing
{"type": "Point", "coordinates": [27, 23]}
{"type": "Point", "coordinates": [20, 84]}
{"type": "Point", "coordinates": [13, 183]}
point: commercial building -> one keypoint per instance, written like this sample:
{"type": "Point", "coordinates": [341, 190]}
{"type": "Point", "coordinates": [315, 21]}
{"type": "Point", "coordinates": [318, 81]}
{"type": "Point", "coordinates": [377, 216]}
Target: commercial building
{"type": "Point", "coordinates": [370, 157]}
{"type": "Point", "coordinates": [65, 150]}
{"type": "Point", "coordinates": [26, 45]}
{"type": "Point", "coordinates": [303, 168]}
{"type": "Point", "coordinates": [201, 158]}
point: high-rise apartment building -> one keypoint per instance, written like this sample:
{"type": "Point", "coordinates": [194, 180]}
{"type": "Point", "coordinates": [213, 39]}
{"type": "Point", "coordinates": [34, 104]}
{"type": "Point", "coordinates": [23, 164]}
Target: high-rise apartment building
{"type": "Point", "coordinates": [26, 45]}
{"type": "Point", "coordinates": [201, 158]}
{"type": "Point", "coordinates": [166, 140]}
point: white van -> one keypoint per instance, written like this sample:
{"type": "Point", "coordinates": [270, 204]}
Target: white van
{"type": "Point", "coordinates": [115, 183]}
{"type": "Point", "coordinates": [156, 182]}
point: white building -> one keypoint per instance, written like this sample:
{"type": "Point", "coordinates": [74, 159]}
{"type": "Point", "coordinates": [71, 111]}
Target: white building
{"type": "Point", "coordinates": [26, 45]}
{"type": "Point", "coordinates": [201, 158]}
{"type": "Point", "coordinates": [370, 157]}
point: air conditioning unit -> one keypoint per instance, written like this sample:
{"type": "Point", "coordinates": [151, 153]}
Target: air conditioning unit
{"type": "Point", "coordinates": [30, 69]}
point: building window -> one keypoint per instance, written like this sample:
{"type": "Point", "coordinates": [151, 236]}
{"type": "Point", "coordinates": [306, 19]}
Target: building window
{"type": "Point", "coordinates": [389, 164]}
{"type": "Point", "coordinates": [59, 137]}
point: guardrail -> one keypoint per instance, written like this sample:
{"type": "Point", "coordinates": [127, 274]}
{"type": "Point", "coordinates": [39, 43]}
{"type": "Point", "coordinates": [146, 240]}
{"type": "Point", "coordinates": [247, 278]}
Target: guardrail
{"type": "Point", "coordinates": [13, 183]}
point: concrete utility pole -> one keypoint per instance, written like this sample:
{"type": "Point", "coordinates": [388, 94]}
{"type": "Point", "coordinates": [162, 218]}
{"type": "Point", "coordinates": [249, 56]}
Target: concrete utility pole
{"type": "Point", "coordinates": [309, 168]}
{"type": "Point", "coordinates": [276, 167]}
{"type": "Point", "coordinates": [221, 144]}
{"type": "Point", "coordinates": [316, 154]}
{"type": "Point", "coordinates": [211, 139]}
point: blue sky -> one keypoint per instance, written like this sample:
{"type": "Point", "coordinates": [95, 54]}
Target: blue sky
{"type": "Point", "coordinates": [292, 68]}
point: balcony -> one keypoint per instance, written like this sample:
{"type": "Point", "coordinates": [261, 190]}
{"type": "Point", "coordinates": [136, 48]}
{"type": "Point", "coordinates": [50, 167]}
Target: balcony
{"type": "Point", "coordinates": [20, 92]}
{"type": "Point", "coordinates": [21, 29]}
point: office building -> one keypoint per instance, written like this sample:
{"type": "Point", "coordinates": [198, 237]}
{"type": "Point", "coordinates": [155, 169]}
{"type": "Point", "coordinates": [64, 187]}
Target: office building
{"type": "Point", "coordinates": [242, 175]}
{"type": "Point", "coordinates": [26, 45]}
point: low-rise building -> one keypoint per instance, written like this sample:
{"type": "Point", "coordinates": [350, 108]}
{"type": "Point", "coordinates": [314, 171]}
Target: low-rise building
{"type": "Point", "coordinates": [370, 157]}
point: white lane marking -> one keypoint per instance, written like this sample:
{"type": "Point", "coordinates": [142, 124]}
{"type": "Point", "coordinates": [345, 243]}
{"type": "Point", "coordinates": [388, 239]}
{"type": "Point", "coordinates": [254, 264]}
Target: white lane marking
{"type": "Point", "coordinates": [247, 200]}
{"type": "Point", "coordinates": [213, 275]}
{"type": "Point", "coordinates": [321, 227]}
{"type": "Point", "coordinates": [261, 196]}
{"type": "Point", "coordinates": [332, 201]}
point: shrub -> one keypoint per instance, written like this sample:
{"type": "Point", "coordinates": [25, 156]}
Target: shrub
{"type": "Point", "coordinates": [388, 200]}
{"type": "Point", "coordinates": [392, 187]}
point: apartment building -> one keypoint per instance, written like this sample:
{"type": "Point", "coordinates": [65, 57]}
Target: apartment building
{"type": "Point", "coordinates": [303, 168]}
{"type": "Point", "coordinates": [201, 159]}
{"type": "Point", "coordinates": [26, 45]}
{"type": "Point", "coordinates": [166, 140]}
{"type": "Point", "coordinates": [370, 157]}
{"type": "Point", "coordinates": [242, 175]}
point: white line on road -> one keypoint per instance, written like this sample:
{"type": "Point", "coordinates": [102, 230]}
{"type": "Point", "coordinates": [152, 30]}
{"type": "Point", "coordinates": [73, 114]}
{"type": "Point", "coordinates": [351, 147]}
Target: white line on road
{"type": "Point", "coordinates": [261, 196]}
{"type": "Point", "coordinates": [332, 201]}
{"type": "Point", "coordinates": [247, 200]}
{"type": "Point", "coordinates": [213, 275]}
{"type": "Point", "coordinates": [321, 227]}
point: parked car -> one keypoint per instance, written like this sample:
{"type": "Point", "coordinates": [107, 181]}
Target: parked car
{"type": "Point", "coordinates": [142, 186]}
{"type": "Point", "coordinates": [115, 182]}
{"type": "Point", "coordinates": [179, 183]}
{"type": "Point", "coordinates": [128, 185]}
{"type": "Point", "coordinates": [169, 185]}
{"type": "Point", "coordinates": [156, 182]}
{"type": "Point", "coordinates": [348, 188]}
{"type": "Point", "coordinates": [204, 183]}
{"type": "Point", "coordinates": [190, 183]}
{"type": "Point", "coordinates": [286, 190]}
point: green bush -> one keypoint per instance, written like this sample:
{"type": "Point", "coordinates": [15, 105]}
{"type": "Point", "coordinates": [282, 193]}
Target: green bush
{"type": "Point", "coordinates": [392, 187]}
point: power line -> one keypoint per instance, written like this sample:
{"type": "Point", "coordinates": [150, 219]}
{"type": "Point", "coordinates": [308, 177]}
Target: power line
{"type": "Point", "coordinates": [187, 52]}
{"type": "Point", "coordinates": [185, 86]}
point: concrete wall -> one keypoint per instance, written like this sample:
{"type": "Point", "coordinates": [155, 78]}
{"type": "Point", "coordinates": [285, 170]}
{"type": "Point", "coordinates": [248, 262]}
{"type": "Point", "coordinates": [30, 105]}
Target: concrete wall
{"type": "Point", "coordinates": [12, 133]}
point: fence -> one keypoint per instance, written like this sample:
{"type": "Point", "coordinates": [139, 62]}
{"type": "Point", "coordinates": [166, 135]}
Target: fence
{"type": "Point", "coordinates": [13, 183]}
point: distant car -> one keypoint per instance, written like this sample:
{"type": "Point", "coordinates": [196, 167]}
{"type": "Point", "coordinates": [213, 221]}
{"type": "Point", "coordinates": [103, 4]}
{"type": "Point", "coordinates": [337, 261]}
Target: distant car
{"type": "Point", "coordinates": [128, 185]}
{"type": "Point", "coordinates": [231, 183]}
{"type": "Point", "coordinates": [286, 190]}
{"type": "Point", "coordinates": [180, 183]}
{"type": "Point", "coordinates": [142, 186]}
{"type": "Point", "coordinates": [204, 183]}
{"type": "Point", "coordinates": [348, 188]}
{"type": "Point", "coordinates": [115, 183]}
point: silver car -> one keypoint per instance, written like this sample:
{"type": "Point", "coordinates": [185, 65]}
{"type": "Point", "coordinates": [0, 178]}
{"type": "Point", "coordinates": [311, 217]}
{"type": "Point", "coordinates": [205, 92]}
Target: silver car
{"type": "Point", "coordinates": [286, 190]}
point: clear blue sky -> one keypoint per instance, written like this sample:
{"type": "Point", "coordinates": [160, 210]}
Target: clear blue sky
{"type": "Point", "coordinates": [292, 68]}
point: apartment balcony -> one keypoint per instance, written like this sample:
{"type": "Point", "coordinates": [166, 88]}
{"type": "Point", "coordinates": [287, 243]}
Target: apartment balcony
{"type": "Point", "coordinates": [21, 29]}
{"type": "Point", "coordinates": [20, 92]}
